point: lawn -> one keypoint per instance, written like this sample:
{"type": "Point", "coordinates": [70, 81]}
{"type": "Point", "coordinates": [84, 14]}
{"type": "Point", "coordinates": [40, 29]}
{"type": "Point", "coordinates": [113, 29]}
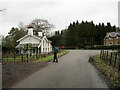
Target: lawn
{"type": "Point", "coordinates": [111, 73]}
{"type": "Point", "coordinates": [49, 58]}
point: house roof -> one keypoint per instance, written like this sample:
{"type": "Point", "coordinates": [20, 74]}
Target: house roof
{"type": "Point", "coordinates": [112, 34]}
{"type": "Point", "coordinates": [39, 38]}
{"type": "Point", "coordinates": [42, 37]}
{"type": "Point", "coordinates": [33, 45]}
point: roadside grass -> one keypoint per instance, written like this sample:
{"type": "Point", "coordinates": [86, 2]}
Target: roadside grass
{"type": "Point", "coordinates": [12, 59]}
{"type": "Point", "coordinates": [24, 56]}
{"type": "Point", "coordinates": [18, 58]}
{"type": "Point", "coordinates": [49, 58]}
{"type": "Point", "coordinates": [111, 73]}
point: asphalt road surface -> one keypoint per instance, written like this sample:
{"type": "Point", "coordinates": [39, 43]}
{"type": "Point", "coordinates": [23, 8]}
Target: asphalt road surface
{"type": "Point", "coordinates": [72, 71]}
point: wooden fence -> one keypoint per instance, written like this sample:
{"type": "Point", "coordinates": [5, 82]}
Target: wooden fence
{"type": "Point", "coordinates": [112, 58]}
{"type": "Point", "coordinates": [21, 58]}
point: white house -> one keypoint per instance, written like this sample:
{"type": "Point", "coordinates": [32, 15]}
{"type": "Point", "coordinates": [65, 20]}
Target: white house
{"type": "Point", "coordinates": [33, 44]}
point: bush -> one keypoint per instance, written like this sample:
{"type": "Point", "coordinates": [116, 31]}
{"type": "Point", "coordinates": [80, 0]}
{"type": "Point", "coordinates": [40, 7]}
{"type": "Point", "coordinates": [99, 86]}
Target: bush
{"type": "Point", "coordinates": [102, 47]}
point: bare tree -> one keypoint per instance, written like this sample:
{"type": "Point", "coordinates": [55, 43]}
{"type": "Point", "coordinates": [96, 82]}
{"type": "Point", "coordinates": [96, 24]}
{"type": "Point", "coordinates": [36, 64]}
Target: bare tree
{"type": "Point", "coordinates": [22, 26]}
{"type": "Point", "coordinates": [41, 25]}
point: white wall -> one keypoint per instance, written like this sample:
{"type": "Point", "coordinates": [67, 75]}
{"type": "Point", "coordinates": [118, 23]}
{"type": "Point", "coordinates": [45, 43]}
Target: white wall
{"type": "Point", "coordinates": [42, 46]}
{"type": "Point", "coordinates": [45, 46]}
{"type": "Point", "coordinates": [30, 40]}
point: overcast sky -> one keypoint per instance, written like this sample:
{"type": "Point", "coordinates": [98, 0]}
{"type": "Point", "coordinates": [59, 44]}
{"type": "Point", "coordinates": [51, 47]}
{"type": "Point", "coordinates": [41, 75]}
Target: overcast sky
{"type": "Point", "coordinates": [58, 12]}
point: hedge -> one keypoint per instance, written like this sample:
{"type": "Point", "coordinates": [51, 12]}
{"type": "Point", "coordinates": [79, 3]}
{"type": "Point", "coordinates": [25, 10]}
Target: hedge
{"type": "Point", "coordinates": [102, 47]}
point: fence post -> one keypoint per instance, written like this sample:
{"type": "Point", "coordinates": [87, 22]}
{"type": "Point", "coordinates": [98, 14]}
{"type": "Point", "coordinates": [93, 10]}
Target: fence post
{"type": "Point", "coordinates": [27, 57]}
{"type": "Point", "coordinates": [107, 56]}
{"type": "Point", "coordinates": [100, 54]}
{"type": "Point", "coordinates": [7, 59]}
{"type": "Point", "coordinates": [36, 54]}
{"type": "Point", "coordinates": [27, 52]}
{"type": "Point", "coordinates": [3, 59]}
{"type": "Point", "coordinates": [118, 60]}
{"type": "Point", "coordinates": [115, 59]}
{"type": "Point", "coordinates": [30, 55]}
{"type": "Point", "coordinates": [104, 56]}
{"type": "Point", "coordinates": [14, 57]}
{"type": "Point", "coordinates": [110, 59]}
{"type": "Point", "coordinates": [22, 57]}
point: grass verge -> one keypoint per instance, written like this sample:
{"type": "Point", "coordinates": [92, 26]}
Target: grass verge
{"type": "Point", "coordinates": [49, 58]}
{"type": "Point", "coordinates": [109, 72]}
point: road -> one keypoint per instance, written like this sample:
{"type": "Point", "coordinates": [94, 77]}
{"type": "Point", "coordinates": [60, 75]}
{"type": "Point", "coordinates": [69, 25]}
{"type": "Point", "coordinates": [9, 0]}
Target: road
{"type": "Point", "coordinates": [72, 71]}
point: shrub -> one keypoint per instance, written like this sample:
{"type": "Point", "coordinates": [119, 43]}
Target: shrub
{"type": "Point", "coordinates": [102, 47]}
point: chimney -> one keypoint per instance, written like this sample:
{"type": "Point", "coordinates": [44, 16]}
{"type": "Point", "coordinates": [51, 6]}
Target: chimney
{"type": "Point", "coordinates": [30, 30]}
{"type": "Point", "coordinates": [40, 34]}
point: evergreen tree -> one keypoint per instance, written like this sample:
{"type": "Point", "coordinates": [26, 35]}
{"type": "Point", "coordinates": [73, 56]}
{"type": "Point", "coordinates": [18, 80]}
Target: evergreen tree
{"type": "Point", "coordinates": [83, 34]}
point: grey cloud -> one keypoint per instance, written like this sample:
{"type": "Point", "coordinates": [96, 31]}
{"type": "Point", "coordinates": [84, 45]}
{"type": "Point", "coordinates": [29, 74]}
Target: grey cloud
{"type": "Point", "coordinates": [59, 12]}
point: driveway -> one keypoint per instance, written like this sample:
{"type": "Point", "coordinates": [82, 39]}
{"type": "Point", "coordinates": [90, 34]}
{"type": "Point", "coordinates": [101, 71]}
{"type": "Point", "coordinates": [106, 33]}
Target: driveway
{"type": "Point", "coordinates": [72, 71]}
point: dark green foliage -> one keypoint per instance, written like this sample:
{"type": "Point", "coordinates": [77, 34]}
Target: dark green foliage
{"type": "Point", "coordinates": [56, 39]}
{"type": "Point", "coordinates": [102, 47]}
{"type": "Point", "coordinates": [9, 42]}
{"type": "Point", "coordinates": [79, 35]}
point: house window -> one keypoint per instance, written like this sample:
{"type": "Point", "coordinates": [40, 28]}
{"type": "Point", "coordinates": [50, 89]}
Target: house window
{"type": "Point", "coordinates": [117, 37]}
{"type": "Point", "coordinates": [109, 38]}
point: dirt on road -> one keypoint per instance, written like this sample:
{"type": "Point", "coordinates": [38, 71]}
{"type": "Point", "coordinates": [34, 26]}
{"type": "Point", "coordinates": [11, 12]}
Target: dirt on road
{"type": "Point", "coordinates": [13, 73]}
